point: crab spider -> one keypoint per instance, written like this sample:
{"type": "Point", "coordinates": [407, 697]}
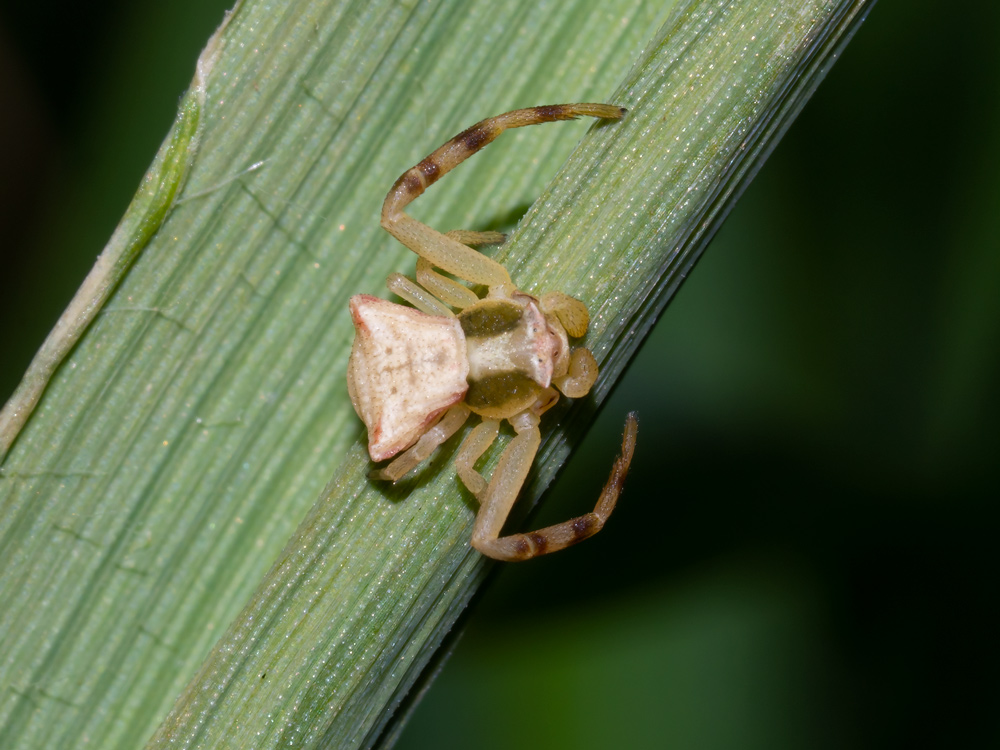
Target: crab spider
{"type": "Point", "coordinates": [417, 373]}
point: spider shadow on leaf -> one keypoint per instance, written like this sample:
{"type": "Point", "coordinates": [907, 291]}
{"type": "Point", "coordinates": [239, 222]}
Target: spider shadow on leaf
{"type": "Point", "coordinates": [507, 221]}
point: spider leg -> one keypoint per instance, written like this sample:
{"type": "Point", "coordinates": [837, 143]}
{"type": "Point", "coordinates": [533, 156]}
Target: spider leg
{"type": "Point", "coordinates": [447, 290]}
{"type": "Point", "coordinates": [472, 449]}
{"type": "Point", "coordinates": [417, 295]}
{"type": "Point", "coordinates": [447, 252]}
{"type": "Point", "coordinates": [448, 425]}
{"type": "Point", "coordinates": [432, 292]}
{"type": "Point", "coordinates": [506, 484]}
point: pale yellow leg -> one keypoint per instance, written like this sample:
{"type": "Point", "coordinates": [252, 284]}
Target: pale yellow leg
{"type": "Point", "coordinates": [506, 483]}
{"type": "Point", "coordinates": [445, 289]}
{"type": "Point", "coordinates": [472, 449]}
{"type": "Point", "coordinates": [421, 298]}
{"type": "Point", "coordinates": [446, 253]}
{"type": "Point", "coordinates": [503, 488]}
{"type": "Point", "coordinates": [448, 425]}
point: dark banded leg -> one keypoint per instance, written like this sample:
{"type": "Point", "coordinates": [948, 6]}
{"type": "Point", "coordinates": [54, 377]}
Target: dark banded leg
{"type": "Point", "coordinates": [506, 483]}
{"type": "Point", "coordinates": [446, 252]}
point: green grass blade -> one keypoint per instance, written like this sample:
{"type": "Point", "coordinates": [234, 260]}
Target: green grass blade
{"type": "Point", "coordinates": [154, 199]}
{"type": "Point", "coordinates": [149, 499]}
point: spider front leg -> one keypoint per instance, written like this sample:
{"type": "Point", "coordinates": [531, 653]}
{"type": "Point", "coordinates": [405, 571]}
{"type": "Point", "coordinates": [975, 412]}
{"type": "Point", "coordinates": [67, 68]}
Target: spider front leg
{"type": "Point", "coordinates": [505, 485]}
{"type": "Point", "coordinates": [448, 252]}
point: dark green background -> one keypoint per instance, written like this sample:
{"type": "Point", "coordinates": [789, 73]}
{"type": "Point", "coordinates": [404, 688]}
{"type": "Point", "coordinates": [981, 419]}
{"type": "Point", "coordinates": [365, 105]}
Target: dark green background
{"type": "Point", "coordinates": [804, 556]}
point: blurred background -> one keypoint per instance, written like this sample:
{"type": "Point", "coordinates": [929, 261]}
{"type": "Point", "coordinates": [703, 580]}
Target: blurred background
{"type": "Point", "coordinates": [803, 556]}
